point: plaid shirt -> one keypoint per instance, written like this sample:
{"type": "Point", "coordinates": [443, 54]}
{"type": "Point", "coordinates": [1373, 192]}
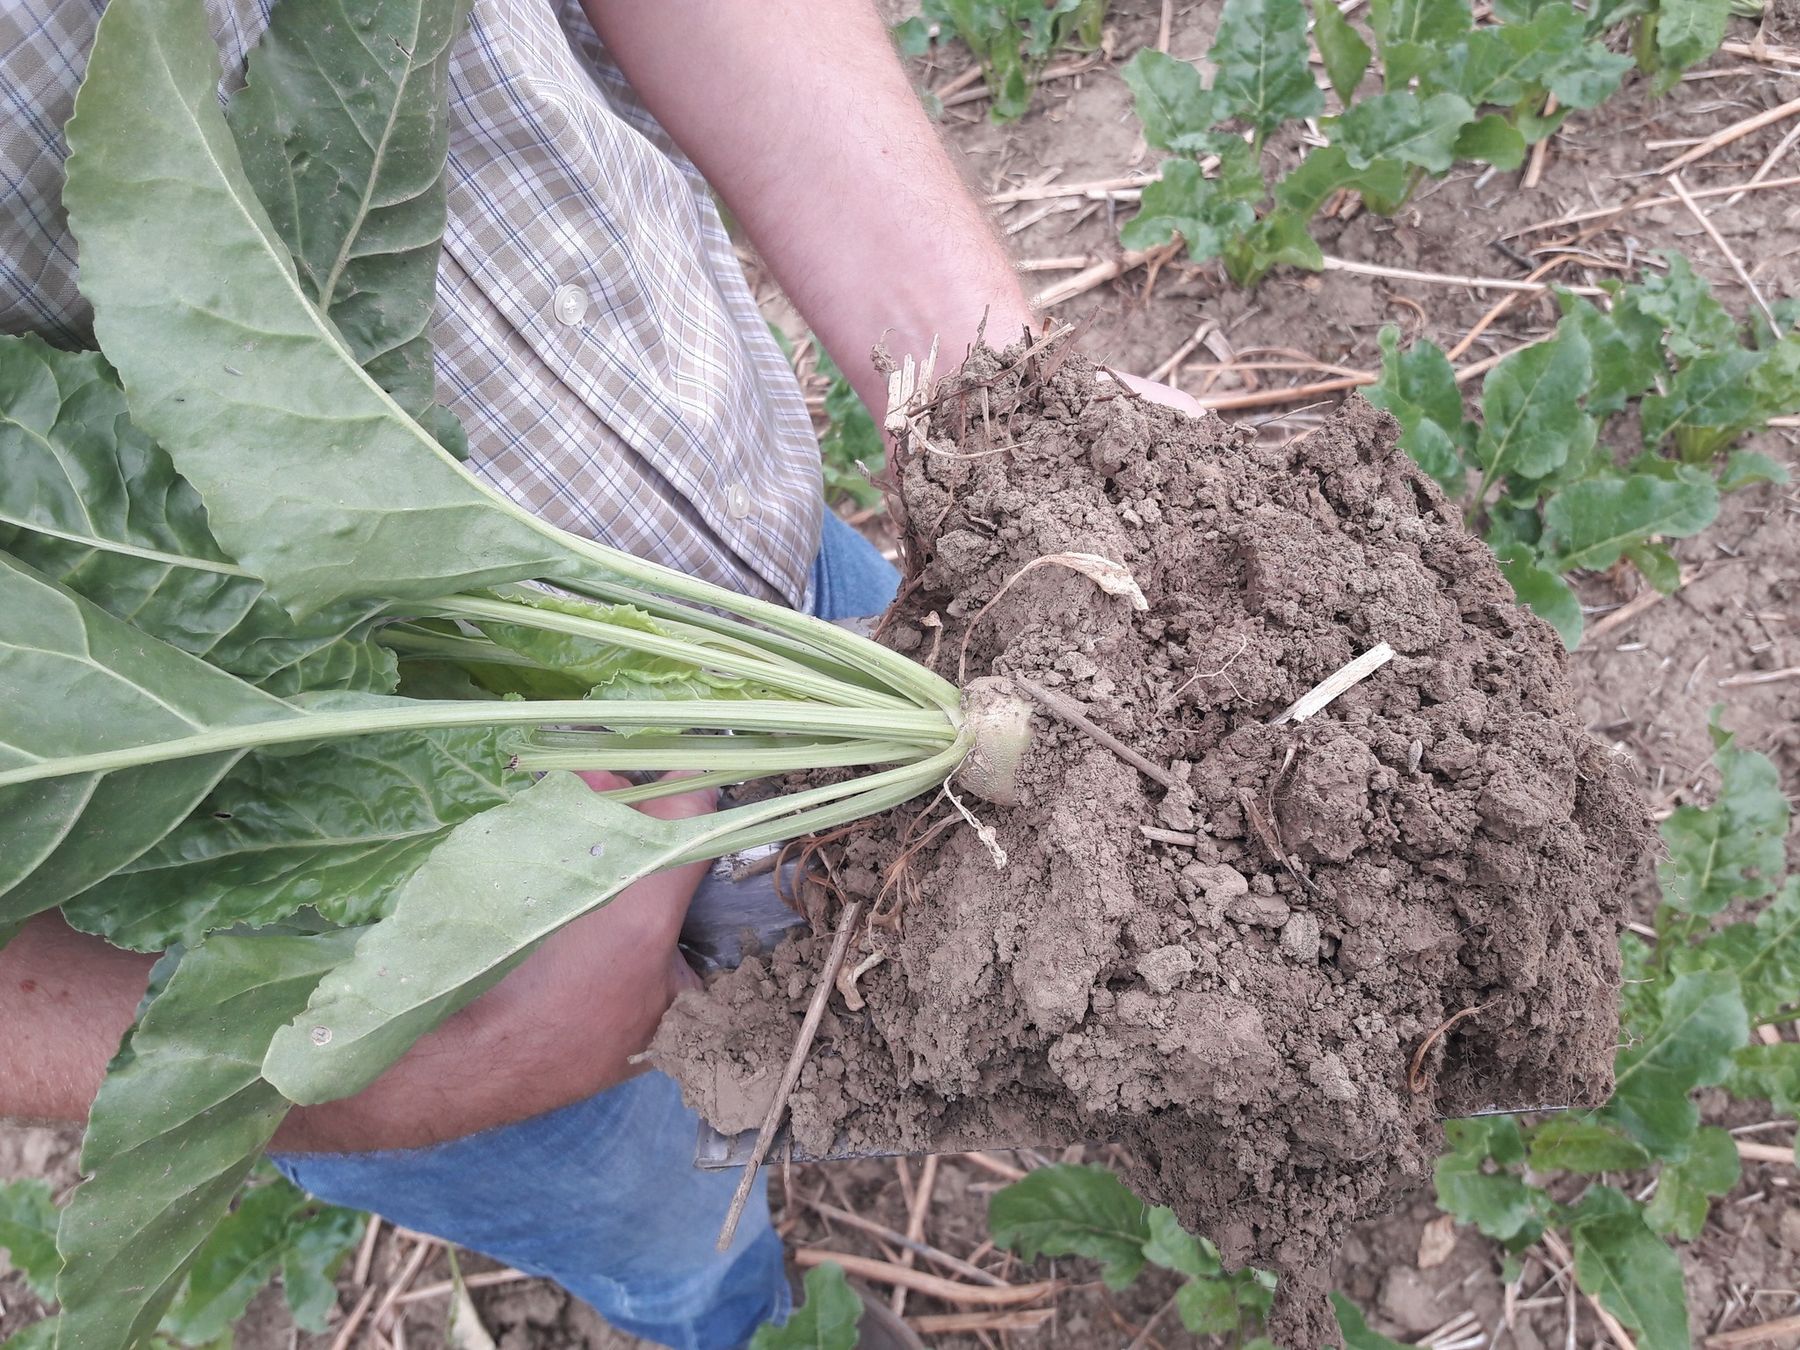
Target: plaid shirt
{"type": "Point", "coordinates": [593, 327]}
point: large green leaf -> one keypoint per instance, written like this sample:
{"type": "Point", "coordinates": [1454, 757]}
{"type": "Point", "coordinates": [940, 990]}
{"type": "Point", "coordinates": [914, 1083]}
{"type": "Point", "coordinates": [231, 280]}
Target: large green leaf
{"type": "Point", "coordinates": [1765, 955]}
{"type": "Point", "coordinates": [1768, 1073]}
{"type": "Point", "coordinates": [1185, 202]}
{"type": "Point", "coordinates": [337, 826]}
{"type": "Point", "coordinates": [1635, 1275]}
{"type": "Point", "coordinates": [1593, 522]}
{"type": "Point", "coordinates": [1418, 386]}
{"type": "Point", "coordinates": [1576, 1143]}
{"type": "Point", "coordinates": [1177, 109]}
{"type": "Point", "coordinates": [92, 502]}
{"type": "Point", "coordinates": [1500, 65]}
{"type": "Point", "coordinates": [826, 1319]}
{"type": "Point", "coordinates": [1326, 168]}
{"type": "Point", "coordinates": [1416, 35]}
{"type": "Point", "coordinates": [1710, 392]}
{"type": "Point", "coordinates": [1070, 1210]}
{"type": "Point", "coordinates": [1355, 1328]}
{"type": "Point", "coordinates": [1685, 307]}
{"type": "Point", "coordinates": [28, 1233]}
{"type": "Point", "coordinates": [1261, 54]}
{"type": "Point", "coordinates": [1688, 31]}
{"type": "Point", "coordinates": [313, 477]}
{"type": "Point", "coordinates": [1699, 1023]}
{"type": "Point", "coordinates": [1341, 47]}
{"type": "Point", "coordinates": [342, 129]}
{"type": "Point", "coordinates": [1405, 127]}
{"type": "Point", "coordinates": [1624, 349]}
{"type": "Point", "coordinates": [178, 1125]}
{"type": "Point", "coordinates": [1531, 405]}
{"type": "Point", "coordinates": [490, 890]}
{"type": "Point", "coordinates": [87, 682]}
{"type": "Point", "coordinates": [234, 1263]}
{"type": "Point", "coordinates": [1685, 1189]}
{"type": "Point", "coordinates": [1732, 849]}
{"type": "Point", "coordinates": [316, 1248]}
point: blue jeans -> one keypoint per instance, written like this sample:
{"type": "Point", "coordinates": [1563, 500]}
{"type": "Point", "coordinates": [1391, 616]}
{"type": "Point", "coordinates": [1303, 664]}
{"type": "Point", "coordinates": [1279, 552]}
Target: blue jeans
{"type": "Point", "coordinates": [602, 1195]}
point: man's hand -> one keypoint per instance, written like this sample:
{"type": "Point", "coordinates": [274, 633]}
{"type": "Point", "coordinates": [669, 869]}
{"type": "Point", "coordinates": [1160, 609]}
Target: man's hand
{"type": "Point", "coordinates": [1164, 394]}
{"type": "Point", "coordinates": [562, 1026]}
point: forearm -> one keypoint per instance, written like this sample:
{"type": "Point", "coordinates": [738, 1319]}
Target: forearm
{"type": "Point", "coordinates": [802, 119]}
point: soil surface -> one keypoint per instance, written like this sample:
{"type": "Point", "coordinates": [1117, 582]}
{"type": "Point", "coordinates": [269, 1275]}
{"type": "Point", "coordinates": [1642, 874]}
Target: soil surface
{"type": "Point", "coordinates": [1241, 1005]}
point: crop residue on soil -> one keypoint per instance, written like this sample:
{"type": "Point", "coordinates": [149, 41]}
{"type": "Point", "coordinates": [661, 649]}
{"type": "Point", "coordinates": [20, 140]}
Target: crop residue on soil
{"type": "Point", "coordinates": [1239, 1014]}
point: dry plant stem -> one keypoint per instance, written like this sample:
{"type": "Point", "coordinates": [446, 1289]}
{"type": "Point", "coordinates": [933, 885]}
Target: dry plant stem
{"type": "Point", "coordinates": [1181, 353]}
{"type": "Point", "coordinates": [1539, 152]}
{"type": "Point", "coordinates": [1762, 51]}
{"type": "Point", "coordinates": [1782, 146]}
{"type": "Point", "coordinates": [1044, 76]}
{"type": "Point", "coordinates": [915, 1226]}
{"type": "Point", "coordinates": [936, 1255]}
{"type": "Point", "coordinates": [347, 1333]}
{"type": "Point", "coordinates": [1445, 278]}
{"type": "Point", "coordinates": [1335, 685]}
{"type": "Point", "coordinates": [1765, 1153]}
{"type": "Point", "coordinates": [1560, 1250]}
{"type": "Point", "coordinates": [1274, 398]}
{"type": "Point", "coordinates": [932, 1286]}
{"type": "Point", "coordinates": [1736, 131]}
{"type": "Point", "coordinates": [1505, 303]}
{"type": "Point", "coordinates": [1633, 607]}
{"type": "Point", "coordinates": [480, 1280]}
{"type": "Point", "coordinates": [1142, 1339]}
{"type": "Point", "coordinates": [1067, 709]}
{"type": "Point", "coordinates": [414, 1262]}
{"type": "Point", "coordinates": [791, 1074]}
{"type": "Point", "coordinates": [365, 1254]}
{"type": "Point", "coordinates": [1647, 203]}
{"type": "Point", "coordinates": [987, 1162]}
{"type": "Point", "coordinates": [1097, 275]}
{"type": "Point", "coordinates": [1099, 187]}
{"type": "Point", "coordinates": [1712, 233]}
{"type": "Point", "coordinates": [1763, 1334]}
{"type": "Point", "coordinates": [1761, 677]}
{"type": "Point", "coordinates": [944, 1324]}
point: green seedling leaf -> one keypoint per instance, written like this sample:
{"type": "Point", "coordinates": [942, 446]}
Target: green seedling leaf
{"type": "Point", "coordinates": [338, 826]}
{"type": "Point", "coordinates": [1685, 1189]}
{"type": "Point", "coordinates": [1768, 1073]}
{"type": "Point", "coordinates": [1624, 349]}
{"type": "Point", "coordinates": [1502, 65]}
{"type": "Point", "coordinates": [1174, 1248]}
{"type": "Point", "coordinates": [1177, 109]}
{"type": "Point", "coordinates": [37, 1336]}
{"type": "Point", "coordinates": [488, 892]}
{"type": "Point", "coordinates": [1699, 1023]}
{"type": "Point", "coordinates": [1497, 1202]}
{"type": "Point", "coordinates": [220, 348]}
{"type": "Point", "coordinates": [1709, 392]}
{"type": "Point", "coordinates": [65, 833]}
{"type": "Point", "coordinates": [1184, 202]}
{"type": "Point", "coordinates": [1658, 565]}
{"type": "Point", "coordinates": [316, 1250]}
{"type": "Point", "coordinates": [1418, 386]}
{"type": "Point", "coordinates": [1414, 35]}
{"type": "Point", "coordinates": [1278, 239]}
{"type": "Point", "coordinates": [92, 502]}
{"type": "Point", "coordinates": [240, 1257]}
{"type": "Point", "coordinates": [342, 133]}
{"type": "Point", "coordinates": [1592, 523]}
{"type": "Point", "coordinates": [1732, 849]}
{"type": "Point", "coordinates": [1326, 169]}
{"type": "Point", "coordinates": [1586, 75]}
{"type": "Point", "coordinates": [1357, 1333]}
{"type": "Point", "coordinates": [1404, 127]}
{"type": "Point", "coordinates": [1765, 953]}
{"type": "Point", "coordinates": [1583, 1145]}
{"type": "Point", "coordinates": [853, 446]}
{"type": "Point", "coordinates": [1261, 55]}
{"type": "Point", "coordinates": [1208, 1307]}
{"type": "Point", "coordinates": [177, 1127]}
{"type": "Point", "coordinates": [1687, 31]}
{"type": "Point", "coordinates": [1683, 305]}
{"type": "Point", "coordinates": [28, 1233]}
{"type": "Point", "coordinates": [1341, 47]}
{"type": "Point", "coordinates": [1069, 1210]}
{"type": "Point", "coordinates": [1492, 140]}
{"type": "Point", "coordinates": [1543, 592]}
{"type": "Point", "coordinates": [1635, 1275]}
{"type": "Point", "coordinates": [1746, 468]}
{"type": "Point", "coordinates": [827, 1319]}
{"type": "Point", "coordinates": [1531, 402]}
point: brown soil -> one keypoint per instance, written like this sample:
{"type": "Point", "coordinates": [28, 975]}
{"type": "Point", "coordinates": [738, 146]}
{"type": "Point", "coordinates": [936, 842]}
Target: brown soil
{"type": "Point", "coordinates": [1239, 1013]}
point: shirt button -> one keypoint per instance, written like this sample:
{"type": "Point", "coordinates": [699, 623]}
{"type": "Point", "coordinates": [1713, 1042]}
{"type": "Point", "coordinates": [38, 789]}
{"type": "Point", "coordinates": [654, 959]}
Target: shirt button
{"type": "Point", "coordinates": [570, 304]}
{"type": "Point", "coordinates": [737, 501]}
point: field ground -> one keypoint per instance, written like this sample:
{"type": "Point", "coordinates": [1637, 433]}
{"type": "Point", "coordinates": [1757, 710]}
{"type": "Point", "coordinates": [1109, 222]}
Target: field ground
{"type": "Point", "coordinates": [1646, 679]}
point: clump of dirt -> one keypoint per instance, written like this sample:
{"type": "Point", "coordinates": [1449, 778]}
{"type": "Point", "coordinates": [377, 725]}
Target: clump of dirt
{"type": "Point", "coordinates": [1240, 998]}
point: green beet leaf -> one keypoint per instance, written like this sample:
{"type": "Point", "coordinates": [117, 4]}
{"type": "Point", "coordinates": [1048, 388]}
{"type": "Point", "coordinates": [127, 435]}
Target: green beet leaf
{"type": "Point", "coordinates": [1581, 1144]}
{"type": "Point", "coordinates": [233, 1265]}
{"type": "Point", "coordinates": [1685, 1189]}
{"type": "Point", "coordinates": [1357, 1333]}
{"type": "Point", "coordinates": [316, 1250]}
{"type": "Point", "coordinates": [336, 826]}
{"type": "Point", "coordinates": [1587, 74]}
{"type": "Point", "coordinates": [1405, 127]}
{"type": "Point", "coordinates": [826, 1319]}
{"type": "Point", "coordinates": [1418, 386]}
{"type": "Point", "coordinates": [1177, 109]}
{"type": "Point", "coordinates": [341, 125]}
{"type": "Point", "coordinates": [1543, 592]}
{"type": "Point", "coordinates": [1768, 1073]}
{"type": "Point", "coordinates": [1698, 1023]}
{"type": "Point", "coordinates": [1709, 393]}
{"type": "Point", "coordinates": [1592, 523]}
{"type": "Point", "coordinates": [1764, 954]}
{"type": "Point", "coordinates": [1746, 468]}
{"type": "Point", "coordinates": [1070, 1210]}
{"type": "Point", "coordinates": [346, 497]}
{"type": "Point", "coordinates": [1278, 239]}
{"type": "Point", "coordinates": [1261, 55]}
{"type": "Point", "coordinates": [1683, 305]}
{"type": "Point", "coordinates": [1624, 349]}
{"type": "Point", "coordinates": [1531, 405]}
{"type": "Point", "coordinates": [115, 689]}
{"type": "Point", "coordinates": [1503, 64]}
{"type": "Point", "coordinates": [1635, 1275]}
{"type": "Point", "coordinates": [1492, 140]}
{"type": "Point", "coordinates": [1326, 169]}
{"type": "Point", "coordinates": [1208, 1307]}
{"type": "Point", "coordinates": [1732, 849]}
{"type": "Point", "coordinates": [1415, 35]}
{"type": "Point", "coordinates": [1687, 31]}
{"type": "Point", "coordinates": [28, 1233]}
{"type": "Point", "coordinates": [1185, 202]}
{"type": "Point", "coordinates": [177, 1127]}
{"type": "Point", "coordinates": [92, 502]}
{"type": "Point", "coordinates": [1174, 1248]}
{"type": "Point", "coordinates": [1341, 47]}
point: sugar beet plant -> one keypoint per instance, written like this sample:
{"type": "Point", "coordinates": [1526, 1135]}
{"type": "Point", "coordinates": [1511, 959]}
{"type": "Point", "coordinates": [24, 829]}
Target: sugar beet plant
{"type": "Point", "coordinates": [1549, 492]}
{"type": "Point", "coordinates": [1450, 90]}
{"type": "Point", "coordinates": [1010, 39]}
{"type": "Point", "coordinates": [280, 676]}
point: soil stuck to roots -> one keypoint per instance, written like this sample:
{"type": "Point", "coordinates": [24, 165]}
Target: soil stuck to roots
{"type": "Point", "coordinates": [1241, 999]}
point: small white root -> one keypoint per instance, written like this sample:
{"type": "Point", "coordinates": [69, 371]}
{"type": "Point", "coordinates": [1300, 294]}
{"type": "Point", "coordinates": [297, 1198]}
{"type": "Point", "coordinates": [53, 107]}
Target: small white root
{"type": "Point", "coordinates": [985, 833]}
{"type": "Point", "coordinates": [1338, 682]}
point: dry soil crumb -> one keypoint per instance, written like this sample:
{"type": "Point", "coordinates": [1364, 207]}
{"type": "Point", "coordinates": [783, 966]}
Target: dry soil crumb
{"type": "Point", "coordinates": [1240, 1014]}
